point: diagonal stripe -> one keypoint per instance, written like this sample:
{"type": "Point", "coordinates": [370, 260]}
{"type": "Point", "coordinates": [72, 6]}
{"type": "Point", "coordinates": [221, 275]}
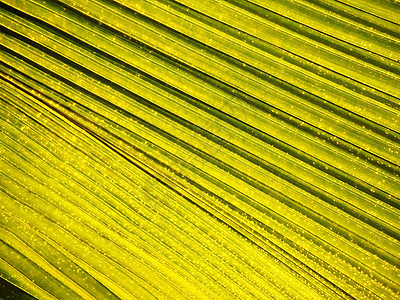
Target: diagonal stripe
{"type": "Point", "coordinates": [200, 149]}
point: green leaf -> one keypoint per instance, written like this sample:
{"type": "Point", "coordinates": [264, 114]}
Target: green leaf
{"type": "Point", "coordinates": [200, 149]}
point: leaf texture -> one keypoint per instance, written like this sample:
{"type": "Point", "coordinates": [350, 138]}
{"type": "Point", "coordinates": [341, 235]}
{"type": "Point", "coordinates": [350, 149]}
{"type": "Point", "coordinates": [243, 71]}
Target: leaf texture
{"type": "Point", "coordinates": [194, 149]}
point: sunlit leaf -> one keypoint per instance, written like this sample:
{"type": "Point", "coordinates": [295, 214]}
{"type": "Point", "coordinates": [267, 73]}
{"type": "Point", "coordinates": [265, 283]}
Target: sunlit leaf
{"type": "Point", "coordinates": [213, 149]}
